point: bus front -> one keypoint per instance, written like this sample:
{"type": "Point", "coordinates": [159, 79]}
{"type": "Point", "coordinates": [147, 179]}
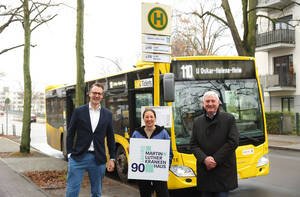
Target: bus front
{"type": "Point", "coordinates": [236, 82]}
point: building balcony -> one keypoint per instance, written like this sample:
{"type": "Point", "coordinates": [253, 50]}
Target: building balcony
{"type": "Point", "coordinates": [278, 82]}
{"type": "Point", "coordinates": [281, 38]}
{"type": "Point", "coordinates": [273, 3]}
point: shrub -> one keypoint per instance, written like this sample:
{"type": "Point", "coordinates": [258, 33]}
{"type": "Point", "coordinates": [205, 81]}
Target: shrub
{"type": "Point", "coordinates": [273, 121]}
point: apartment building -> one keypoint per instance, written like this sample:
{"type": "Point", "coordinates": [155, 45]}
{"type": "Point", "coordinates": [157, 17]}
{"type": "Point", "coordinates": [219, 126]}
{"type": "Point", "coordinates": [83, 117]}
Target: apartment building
{"type": "Point", "coordinates": [17, 99]}
{"type": "Point", "coordinates": [278, 55]}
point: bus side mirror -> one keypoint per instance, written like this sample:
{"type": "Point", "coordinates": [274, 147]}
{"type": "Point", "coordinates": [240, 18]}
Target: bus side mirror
{"type": "Point", "coordinates": [169, 87]}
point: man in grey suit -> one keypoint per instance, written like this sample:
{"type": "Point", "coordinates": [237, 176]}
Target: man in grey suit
{"type": "Point", "coordinates": [90, 123]}
{"type": "Point", "coordinates": [214, 140]}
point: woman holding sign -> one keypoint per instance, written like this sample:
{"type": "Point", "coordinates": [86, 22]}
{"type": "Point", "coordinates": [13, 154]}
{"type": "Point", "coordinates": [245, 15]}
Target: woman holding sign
{"type": "Point", "coordinates": [152, 131]}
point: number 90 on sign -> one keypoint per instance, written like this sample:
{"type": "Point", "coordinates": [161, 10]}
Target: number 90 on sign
{"type": "Point", "coordinates": [137, 167]}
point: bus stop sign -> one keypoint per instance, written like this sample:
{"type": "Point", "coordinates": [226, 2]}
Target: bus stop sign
{"type": "Point", "coordinates": [156, 19]}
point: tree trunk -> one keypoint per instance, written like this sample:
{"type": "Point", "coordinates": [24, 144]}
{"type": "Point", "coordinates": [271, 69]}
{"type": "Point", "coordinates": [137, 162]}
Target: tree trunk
{"type": "Point", "coordinates": [251, 37]}
{"type": "Point", "coordinates": [234, 32]}
{"type": "Point", "coordinates": [25, 140]}
{"type": "Point", "coordinates": [80, 85]}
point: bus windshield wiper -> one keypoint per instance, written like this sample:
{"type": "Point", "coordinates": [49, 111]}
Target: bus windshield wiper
{"type": "Point", "coordinates": [250, 138]}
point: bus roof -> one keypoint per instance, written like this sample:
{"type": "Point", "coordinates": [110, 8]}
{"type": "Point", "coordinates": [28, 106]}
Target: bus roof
{"type": "Point", "coordinates": [213, 58]}
{"type": "Point", "coordinates": [52, 87]}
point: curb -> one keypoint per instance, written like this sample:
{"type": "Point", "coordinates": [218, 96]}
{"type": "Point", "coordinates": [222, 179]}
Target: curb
{"type": "Point", "coordinates": [31, 148]}
{"type": "Point", "coordinates": [283, 148]}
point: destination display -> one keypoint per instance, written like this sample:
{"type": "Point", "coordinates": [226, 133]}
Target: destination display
{"type": "Point", "coordinates": [213, 69]}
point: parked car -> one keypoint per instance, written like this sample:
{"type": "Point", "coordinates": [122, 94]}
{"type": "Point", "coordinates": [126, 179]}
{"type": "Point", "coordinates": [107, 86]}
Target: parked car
{"type": "Point", "coordinates": [33, 118]}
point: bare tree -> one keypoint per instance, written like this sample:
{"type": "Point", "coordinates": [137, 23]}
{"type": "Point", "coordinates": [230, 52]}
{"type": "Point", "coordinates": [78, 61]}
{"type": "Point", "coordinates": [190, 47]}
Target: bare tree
{"type": "Point", "coordinates": [197, 36]}
{"type": "Point", "coordinates": [32, 15]}
{"type": "Point", "coordinates": [245, 45]}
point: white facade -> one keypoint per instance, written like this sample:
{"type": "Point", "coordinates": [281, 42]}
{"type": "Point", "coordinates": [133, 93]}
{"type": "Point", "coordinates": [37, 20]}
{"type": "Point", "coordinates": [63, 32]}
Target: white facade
{"type": "Point", "coordinates": [17, 100]}
{"type": "Point", "coordinates": [278, 56]}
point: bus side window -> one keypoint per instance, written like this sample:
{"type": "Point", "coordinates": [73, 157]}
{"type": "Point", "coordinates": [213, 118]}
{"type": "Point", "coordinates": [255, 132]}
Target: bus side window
{"type": "Point", "coordinates": [118, 105]}
{"type": "Point", "coordinates": [141, 99]}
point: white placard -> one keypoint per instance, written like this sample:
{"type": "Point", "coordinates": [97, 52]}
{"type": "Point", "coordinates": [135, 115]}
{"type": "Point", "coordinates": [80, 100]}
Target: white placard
{"type": "Point", "coordinates": [149, 159]}
{"type": "Point", "coordinates": [156, 39]}
{"type": "Point", "coordinates": [151, 48]}
{"type": "Point", "coordinates": [152, 57]}
{"type": "Point", "coordinates": [163, 115]}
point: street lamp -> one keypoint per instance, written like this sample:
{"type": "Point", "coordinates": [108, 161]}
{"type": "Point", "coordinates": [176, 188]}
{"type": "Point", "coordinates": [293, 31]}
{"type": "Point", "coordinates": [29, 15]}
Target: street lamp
{"type": "Point", "coordinates": [115, 63]}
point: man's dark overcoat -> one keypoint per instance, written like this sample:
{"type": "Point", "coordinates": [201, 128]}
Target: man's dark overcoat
{"type": "Point", "coordinates": [217, 137]}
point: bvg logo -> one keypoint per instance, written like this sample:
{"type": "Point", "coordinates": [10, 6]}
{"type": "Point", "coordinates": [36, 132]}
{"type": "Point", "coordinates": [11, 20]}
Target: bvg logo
{"type": "Point", "coordinates": [158, 19]}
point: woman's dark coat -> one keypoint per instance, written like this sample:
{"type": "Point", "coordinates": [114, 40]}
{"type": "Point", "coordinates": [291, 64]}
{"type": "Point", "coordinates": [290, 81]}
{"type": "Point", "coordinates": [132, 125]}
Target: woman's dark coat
{"type": "Point", "coordinates": [217, 138]}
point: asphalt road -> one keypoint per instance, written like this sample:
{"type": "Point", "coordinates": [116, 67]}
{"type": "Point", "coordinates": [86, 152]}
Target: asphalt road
{"type": "Point", "coordinates": [282, 181]}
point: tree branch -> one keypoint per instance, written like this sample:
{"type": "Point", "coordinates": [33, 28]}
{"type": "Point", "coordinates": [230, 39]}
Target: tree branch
{"type": "Point", "coordinates": [6, 50]}
{"type": "Point", "coordinates": [44, 21]}
{"type": "Point", "coordinates": [10, 20]}
{"type": "Point", "coordinates": [211, 14]}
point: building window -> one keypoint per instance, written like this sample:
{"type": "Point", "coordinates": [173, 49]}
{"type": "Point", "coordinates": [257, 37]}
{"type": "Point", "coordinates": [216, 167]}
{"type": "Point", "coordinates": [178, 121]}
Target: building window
{"type": "Point", "coordinates": [287, 104]}
{"type": "Point", "coordinates": [283, 64]}
{"type": "Point", "coordinates": [283, 23]}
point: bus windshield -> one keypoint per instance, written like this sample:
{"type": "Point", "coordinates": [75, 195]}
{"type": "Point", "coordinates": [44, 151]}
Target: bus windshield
{"type": "Point", "coordinates": [240, 97]}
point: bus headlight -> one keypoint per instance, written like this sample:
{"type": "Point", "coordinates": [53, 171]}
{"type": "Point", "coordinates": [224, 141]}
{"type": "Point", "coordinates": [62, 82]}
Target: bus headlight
{"type": "Point", "coordinates": [264, 160]}
{"type": "Point", "coordinates": [182, 171]}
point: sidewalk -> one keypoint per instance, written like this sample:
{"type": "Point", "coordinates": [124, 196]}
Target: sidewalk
{"type": "Point", "coordinates": [14, 183]}
{"type": "Point", "coordinates": [284, 142]}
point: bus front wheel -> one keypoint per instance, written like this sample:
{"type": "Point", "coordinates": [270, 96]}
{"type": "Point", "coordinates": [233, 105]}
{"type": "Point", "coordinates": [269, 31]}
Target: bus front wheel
{"type": "Point", "coordinates": [121, 164]}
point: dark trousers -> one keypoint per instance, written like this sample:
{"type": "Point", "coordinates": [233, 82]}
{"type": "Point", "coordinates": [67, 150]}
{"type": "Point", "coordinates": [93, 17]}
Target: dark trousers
{"type": "Point", "coordinates": [147, 187]}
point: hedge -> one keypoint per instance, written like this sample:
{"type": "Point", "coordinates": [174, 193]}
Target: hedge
{"type": "Point", "coordinates": [273, 121]}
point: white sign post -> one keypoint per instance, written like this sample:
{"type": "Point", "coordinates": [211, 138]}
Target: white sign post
{"type": "Point", "coordinates": [149, 159]}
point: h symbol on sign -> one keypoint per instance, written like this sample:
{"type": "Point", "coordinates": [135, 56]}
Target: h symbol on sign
{"type": "Point", "coordinates": [156, 18]}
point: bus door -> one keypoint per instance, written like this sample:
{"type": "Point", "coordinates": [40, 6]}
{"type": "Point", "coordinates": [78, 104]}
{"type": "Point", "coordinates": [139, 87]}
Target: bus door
{"type": "Point", "coordinates": [68, 110]}
{"type": "Point", "coordinates": [70, 100]}
{"type": "Point", "coordinates": [140, 98]}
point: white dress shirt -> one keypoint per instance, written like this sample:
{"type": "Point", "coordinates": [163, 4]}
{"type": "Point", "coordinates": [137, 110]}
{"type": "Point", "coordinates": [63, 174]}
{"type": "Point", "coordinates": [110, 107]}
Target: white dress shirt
{"type": "Point", "coordinates": [94, 116]}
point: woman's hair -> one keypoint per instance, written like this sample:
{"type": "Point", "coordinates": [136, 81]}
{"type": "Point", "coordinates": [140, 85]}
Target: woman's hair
{"type": "Point", "coordinates": [149, 109]}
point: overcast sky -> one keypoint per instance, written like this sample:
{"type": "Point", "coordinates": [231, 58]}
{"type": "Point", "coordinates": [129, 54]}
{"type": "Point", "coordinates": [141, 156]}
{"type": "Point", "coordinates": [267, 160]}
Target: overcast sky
{"type": "Point", "coordinates": [112, 29]}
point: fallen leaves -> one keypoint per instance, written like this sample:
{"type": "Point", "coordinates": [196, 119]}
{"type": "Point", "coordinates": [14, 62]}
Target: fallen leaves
{"type": "Point", "coordinates": [48, 179]}
{"type": "Point", "coordinates": [52, 179]}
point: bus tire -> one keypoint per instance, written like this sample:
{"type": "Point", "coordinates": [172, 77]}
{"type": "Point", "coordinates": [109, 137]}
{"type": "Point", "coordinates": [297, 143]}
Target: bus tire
{"type": "Point", "coordinates": [122, 164]}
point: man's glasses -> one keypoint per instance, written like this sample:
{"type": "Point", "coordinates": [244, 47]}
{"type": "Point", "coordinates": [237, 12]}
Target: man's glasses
{"type": "Point", "coordinates": [97, 93]}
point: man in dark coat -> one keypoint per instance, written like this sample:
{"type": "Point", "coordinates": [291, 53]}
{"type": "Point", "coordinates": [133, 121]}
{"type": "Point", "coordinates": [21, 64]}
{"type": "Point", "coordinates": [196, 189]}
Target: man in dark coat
{"type": "Point", "coordinates": [214, 140]}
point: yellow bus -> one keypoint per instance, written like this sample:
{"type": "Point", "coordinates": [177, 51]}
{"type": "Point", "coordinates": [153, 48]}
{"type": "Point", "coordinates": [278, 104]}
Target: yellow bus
{"type": "Point", "coordinates": [181, 85]}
